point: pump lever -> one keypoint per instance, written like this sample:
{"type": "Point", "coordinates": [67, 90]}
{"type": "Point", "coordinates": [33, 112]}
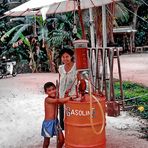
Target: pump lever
{"type": "Point", "coordinates": [82, 86]}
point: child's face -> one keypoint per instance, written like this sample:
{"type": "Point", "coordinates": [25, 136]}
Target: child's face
{"type": "Point", "coordinates": [66, 58]}
{"type": "Point", "coordinates": [51, 91]}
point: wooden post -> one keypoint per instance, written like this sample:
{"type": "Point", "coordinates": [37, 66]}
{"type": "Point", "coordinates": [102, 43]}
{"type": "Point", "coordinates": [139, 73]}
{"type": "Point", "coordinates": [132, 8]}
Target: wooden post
{"type": "Point", "coordinates": [81, 20]}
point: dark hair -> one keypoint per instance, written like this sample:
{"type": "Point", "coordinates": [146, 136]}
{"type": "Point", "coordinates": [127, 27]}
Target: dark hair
{"type": "Point", "coordinates": [68, 51]}
{"type": "Point", "coordinates": [47, 85]}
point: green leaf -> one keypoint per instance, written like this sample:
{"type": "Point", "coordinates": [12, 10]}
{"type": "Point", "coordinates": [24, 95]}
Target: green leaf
{"type": "Point", "coordinates": [7, 34]}
{"type": "Point", "coordinates": [18, 33]}
{"type": "Point", "coordinates": [25, 40]}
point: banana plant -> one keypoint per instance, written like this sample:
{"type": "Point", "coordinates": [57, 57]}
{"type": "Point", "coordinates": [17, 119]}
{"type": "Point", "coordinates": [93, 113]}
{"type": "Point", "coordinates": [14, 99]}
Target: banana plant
{"type": "Point", "coordinates": [17, 33]}
{"type": "Point", "coordinates": [60, 34]}
{"type": "Point", "coordinates": [56, 32]}
{"type": "Point", "coordinates": [8, 33]}
{"type": "Point", "coordinates": [32, 63]}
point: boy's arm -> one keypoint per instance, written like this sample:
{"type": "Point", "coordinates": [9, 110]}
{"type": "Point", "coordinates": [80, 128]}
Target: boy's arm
{"type": "Point", "coordinates": [51, 100]}
{"type": "Point", "coordinates": [57, 101]}
{"type": "Point", "coordinates": [64, 100]}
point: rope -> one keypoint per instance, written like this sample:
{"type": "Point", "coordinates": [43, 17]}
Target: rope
{"type": "Point", "coordinates": [136, 15]}
{"type": "Point", "coordinates": [3, 16]}
{"type": "Point", "coordinates": [102, 113]}
{"type": "Point", "coordinates": [139, 96]}
{"type": "Point", "coordinates": [144, 3]}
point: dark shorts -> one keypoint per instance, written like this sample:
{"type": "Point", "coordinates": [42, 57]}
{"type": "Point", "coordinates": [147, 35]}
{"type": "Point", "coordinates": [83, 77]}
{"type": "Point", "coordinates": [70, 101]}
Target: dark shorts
{"type": "Point", "coordinates": [50, 128]}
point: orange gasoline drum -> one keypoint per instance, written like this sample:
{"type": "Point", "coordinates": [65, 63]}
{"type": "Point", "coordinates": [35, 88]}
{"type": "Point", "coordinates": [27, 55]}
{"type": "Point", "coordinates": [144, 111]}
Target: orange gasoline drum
{"type": "Point", "coordinates": [78, 128]}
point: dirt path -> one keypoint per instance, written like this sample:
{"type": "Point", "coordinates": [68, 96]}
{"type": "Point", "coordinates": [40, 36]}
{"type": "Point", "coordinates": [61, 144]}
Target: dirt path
{"type": "Point", "coordinates": [134, 67]}
{"type": "Point", "coordinates": [22, 112]}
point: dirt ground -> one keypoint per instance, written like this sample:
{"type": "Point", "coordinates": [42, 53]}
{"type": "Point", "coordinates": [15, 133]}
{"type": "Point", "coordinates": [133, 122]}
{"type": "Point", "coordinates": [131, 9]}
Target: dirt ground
{"type": "Point", "coordinates": [134, 67]}
{"type": "Point", "coordinates": [22, 110]}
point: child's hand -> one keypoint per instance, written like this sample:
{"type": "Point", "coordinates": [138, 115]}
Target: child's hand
{"type": "Point", "coordinates": [65, 99]}
{"type": "Point", "coordinates": [72, 98]}
{"type": "Point", "coordinates": [69, 98]}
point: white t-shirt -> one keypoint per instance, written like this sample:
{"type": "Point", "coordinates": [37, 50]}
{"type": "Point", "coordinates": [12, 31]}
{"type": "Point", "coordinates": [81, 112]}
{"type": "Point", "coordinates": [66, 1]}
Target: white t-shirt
{"type": "Point", "coordinates": [66, 80]}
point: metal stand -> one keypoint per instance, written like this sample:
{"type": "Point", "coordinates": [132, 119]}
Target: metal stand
{"type": "Point", "coordinates": [113, 106]}
{"type": "Point", "coordinates": [104, 77]}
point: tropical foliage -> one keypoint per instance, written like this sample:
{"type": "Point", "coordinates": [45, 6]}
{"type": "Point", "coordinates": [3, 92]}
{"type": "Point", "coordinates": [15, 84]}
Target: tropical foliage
{"type": "Point", "coordinates": [48, 37]}
{"type": "Point", "coordinates": [138, 11]}
{"type": "Point", "coordinates": [38, 41]}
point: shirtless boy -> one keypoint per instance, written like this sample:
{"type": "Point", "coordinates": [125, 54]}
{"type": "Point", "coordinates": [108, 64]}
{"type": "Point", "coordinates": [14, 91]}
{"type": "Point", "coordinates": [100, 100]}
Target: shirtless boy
{"type": "Point", "coordinates": [50, 126]}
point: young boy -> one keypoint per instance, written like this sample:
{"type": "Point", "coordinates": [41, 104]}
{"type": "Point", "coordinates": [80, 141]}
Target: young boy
{"type": "Point", "coordinates": [50, 126]}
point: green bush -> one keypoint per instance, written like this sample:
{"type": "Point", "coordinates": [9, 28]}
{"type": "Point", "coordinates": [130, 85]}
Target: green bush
{"type": "Point", "coordinates": [133, 90]}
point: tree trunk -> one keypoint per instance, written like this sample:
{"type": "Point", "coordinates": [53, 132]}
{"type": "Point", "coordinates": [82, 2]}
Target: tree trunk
{"type": "Point", "coordinates": [98, 24]}
{"type": "Point", "coordinates": [110, 19]}
{"type": "Point", "coordinates": [32, 62]}
{"type": "Point", "coordinates": [50, 58]}
{"type": "Point", "coordinates": [134, 27]}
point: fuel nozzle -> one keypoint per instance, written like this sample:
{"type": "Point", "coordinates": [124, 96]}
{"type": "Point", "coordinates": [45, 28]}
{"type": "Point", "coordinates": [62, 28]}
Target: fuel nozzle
{"type": "Point", "coordinates": [82, 84]}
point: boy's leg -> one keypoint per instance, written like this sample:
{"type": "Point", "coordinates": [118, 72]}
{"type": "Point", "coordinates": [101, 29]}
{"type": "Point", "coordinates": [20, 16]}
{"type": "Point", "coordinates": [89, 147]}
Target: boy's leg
{"type": "Point", "coordinates": [46, 142]}
{"type": "Point", "coordinates": [62, 116]}
{"type": "Point", "coordinates": [60, 140]}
